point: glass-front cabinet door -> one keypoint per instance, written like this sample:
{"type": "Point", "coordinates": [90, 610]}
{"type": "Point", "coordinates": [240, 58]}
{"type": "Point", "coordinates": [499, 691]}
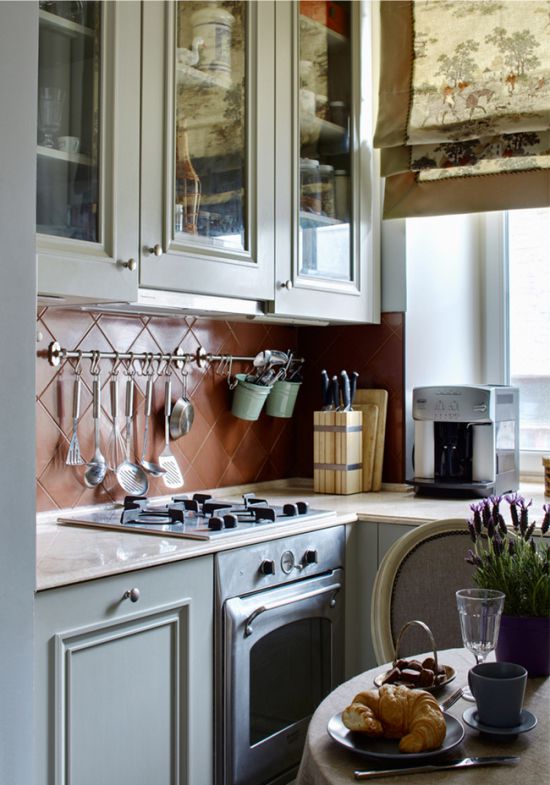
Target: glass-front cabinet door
{"type": "Point", "coordinates": [88, 149]}
{"type": "Point", "coordinates": [327, 197]}
{"type": "Point", "coordinates": [208, 148]}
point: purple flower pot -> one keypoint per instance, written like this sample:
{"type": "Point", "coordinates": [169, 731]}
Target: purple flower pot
{"type": "Point", "coordinates": [525, 640]}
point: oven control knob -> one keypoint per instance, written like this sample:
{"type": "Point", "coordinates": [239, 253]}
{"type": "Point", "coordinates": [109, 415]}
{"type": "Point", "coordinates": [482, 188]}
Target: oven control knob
{"type": "Point", "coordinates": [267, 567]}
{"type": "Point", "coordinates": [288, 562]}
{"type": "Point", "coordinates": [310, 556]}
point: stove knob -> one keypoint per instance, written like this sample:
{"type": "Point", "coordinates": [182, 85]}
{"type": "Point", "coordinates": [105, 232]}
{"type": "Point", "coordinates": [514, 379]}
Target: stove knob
{"type": "Point", "coordinates": [230, 521]}
{"type": "Point", "coordinates": [290, 509]}
{"type": "Point", "coordinates": [310, 556]}
{"type": "Point", "coordinates": [303, 507]}
{"type": "Point", "coordinates": [215, 523]}
{"type": "Point", "coordinates": [267, 567]}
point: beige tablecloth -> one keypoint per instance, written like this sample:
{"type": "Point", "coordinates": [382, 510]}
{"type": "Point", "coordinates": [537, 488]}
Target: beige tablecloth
{"type": "Point", "coordinates": [325, 762]}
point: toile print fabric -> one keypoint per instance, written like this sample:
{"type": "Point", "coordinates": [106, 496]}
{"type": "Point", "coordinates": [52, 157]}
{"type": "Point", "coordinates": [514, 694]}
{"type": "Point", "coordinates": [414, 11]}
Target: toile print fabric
{"type": "Point", "coordinates": [464, 96]}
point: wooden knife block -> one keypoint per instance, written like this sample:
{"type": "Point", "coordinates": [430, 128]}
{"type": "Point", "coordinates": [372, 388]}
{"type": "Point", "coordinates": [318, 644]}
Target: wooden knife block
{"type": "Point", "coordinates": [338, 452]}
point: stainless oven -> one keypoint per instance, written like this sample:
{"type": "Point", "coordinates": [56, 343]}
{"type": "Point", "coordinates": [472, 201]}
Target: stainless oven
{"type": "Point", "coordinates": [279, 651]}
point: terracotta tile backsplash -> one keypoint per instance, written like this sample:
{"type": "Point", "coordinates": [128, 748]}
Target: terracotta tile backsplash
{"type": "Point", "coordinates": [220, 449]}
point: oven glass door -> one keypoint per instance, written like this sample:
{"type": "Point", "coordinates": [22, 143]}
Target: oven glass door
{"type": "Point", "coordinates": [283, 655]}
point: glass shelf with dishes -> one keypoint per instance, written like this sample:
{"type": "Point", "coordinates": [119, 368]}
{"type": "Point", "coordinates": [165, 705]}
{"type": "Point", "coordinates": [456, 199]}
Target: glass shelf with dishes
{"type": "Point", "coordinates": [68, 120]}
{"type": "Point", "coordinates": [72, 26]}
{"type": "Point", "coordinates": [210, 127]}
{"type": "Point", "coordinates": [325, 157]}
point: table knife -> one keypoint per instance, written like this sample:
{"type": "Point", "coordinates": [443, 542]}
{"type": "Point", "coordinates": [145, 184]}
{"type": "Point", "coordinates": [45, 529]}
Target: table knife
{"type": "Point", "coordinates": [460, 763]}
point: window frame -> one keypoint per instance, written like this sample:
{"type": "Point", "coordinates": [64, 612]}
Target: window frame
{"type": "Point", "coordinates": [496, 321]}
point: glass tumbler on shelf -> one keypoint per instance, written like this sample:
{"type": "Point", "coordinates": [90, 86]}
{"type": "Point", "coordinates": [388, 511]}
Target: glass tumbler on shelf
{"type": "Point", "coordinates": [50, 114]}
{"type": "Point", "coordinates": [479, 611]}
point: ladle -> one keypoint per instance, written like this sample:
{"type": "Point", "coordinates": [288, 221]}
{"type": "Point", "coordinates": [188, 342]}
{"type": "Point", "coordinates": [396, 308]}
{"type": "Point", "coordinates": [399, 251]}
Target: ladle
{"type": "Point", "coordinates": [183, 414]}
{"type": "Point", "coordinates": [97, 467]}
{"type": "Point", "coordinates": [152, 468]}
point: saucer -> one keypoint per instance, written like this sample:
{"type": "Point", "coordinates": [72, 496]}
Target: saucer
{"type": "Point", "coordinates": [528, 722]}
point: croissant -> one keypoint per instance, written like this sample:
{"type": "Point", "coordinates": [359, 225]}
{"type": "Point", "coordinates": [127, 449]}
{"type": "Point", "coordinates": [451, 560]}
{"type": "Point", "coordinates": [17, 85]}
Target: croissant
{"type": "Point", "coordinates": [397, 712]}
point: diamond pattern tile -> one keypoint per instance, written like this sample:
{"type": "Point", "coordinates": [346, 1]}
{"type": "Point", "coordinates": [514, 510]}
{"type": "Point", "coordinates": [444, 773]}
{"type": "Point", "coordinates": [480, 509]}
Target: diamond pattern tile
{"type": "Point", "coordinates": [220, 450]}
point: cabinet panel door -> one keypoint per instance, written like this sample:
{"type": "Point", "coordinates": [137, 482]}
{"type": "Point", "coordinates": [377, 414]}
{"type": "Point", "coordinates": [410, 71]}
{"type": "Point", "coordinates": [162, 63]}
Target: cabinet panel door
{"type": "Point", "coordinates": [121, 695]}
{"type": "Point", "coordinates": [388, 533]}
{"type": "Point", "coordinates": [208, 148]}
{"type": "Point", "coordinates": [124, 690]}
{"type": "Point", "coordinates": [87, 207]}
{"type": "Point", "coordinates": [327, 212]}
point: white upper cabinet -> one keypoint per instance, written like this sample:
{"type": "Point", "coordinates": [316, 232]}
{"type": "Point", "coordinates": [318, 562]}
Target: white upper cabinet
{"type": "Point", "coordinates": [207, 197]}
{"type": "Point", "coordinates": [327, 201]}
{"type": "Point", "coordinates": [211, 149]}
{"type": "Point", "coordinates": [87, 206]}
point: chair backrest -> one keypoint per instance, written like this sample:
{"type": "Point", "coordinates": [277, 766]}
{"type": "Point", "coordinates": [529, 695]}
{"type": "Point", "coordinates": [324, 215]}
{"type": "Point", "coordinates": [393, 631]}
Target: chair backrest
{"type": "Point", "coordinates": [417, 579]}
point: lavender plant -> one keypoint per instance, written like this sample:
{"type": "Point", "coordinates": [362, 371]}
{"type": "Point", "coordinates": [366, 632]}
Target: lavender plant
{"type": "Point", "coordinates": [513, 559]}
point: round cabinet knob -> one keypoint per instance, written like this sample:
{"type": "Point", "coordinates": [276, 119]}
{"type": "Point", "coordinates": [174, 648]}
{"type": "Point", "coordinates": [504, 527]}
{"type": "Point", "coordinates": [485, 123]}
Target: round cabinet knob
{"type": "Point", "coordinates": [131, 265]}
{"type": "Point", "coordinates": [131, 594]}
{"type": "Point", "coordinates": [267, 567]}
{"type": "Point", "coordinates": [310, 556]}
{"type": "Point", "coordinates": [156, 250]}
{"type": "Point", "coordinates": [285, 285]}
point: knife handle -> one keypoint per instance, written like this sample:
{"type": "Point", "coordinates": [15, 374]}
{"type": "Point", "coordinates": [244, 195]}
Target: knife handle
{"type": "Point", "coordinates": [335, 389]}
{"type": "Point", "coordinates": [346, 390]}
{"type": "Point", "coordinates": [353, 387]}
{"type": "Point", "coordinates": [325, 383]}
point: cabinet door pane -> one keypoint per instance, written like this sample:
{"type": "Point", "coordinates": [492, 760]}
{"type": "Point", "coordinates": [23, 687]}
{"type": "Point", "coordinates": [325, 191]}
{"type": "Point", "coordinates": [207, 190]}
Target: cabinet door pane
{"type": "Point", "coordinates": [68, 120]}
{"type": "Point", "coordinates": [211, 119]}
{"type": "Point", "coordinates": [325, 99]}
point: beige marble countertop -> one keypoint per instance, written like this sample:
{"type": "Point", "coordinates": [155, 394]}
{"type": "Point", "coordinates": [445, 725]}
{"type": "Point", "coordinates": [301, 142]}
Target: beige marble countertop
{"type": "Point", "coordinates": [71, 554]}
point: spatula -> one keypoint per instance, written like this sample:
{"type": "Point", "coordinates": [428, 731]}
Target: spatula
{"type": "Point", "coordinates": [172, 477]}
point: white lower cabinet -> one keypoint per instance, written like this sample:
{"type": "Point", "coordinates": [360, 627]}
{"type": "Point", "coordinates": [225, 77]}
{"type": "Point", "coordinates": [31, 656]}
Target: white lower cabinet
{"type": "Point", "coordinates": [367, 544]}
{"type": "Point", "coordinates": [123, 679]}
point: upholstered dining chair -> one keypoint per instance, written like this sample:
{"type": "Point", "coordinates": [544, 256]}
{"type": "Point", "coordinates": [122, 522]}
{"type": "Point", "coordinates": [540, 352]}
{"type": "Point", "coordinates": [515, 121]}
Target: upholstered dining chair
{"type": "Point", "coordinates": [417, 579]}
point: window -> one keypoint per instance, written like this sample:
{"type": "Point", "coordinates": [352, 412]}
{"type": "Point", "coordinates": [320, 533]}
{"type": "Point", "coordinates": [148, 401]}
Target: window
{"type": "Point", "coordinates": [517, 321]}
{"type": "Point", "coordinates": [528, 264]}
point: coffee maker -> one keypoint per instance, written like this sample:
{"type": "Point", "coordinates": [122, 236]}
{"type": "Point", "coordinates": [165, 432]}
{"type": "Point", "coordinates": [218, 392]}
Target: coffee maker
{"type": "Point", "coordinates": [466, 439]}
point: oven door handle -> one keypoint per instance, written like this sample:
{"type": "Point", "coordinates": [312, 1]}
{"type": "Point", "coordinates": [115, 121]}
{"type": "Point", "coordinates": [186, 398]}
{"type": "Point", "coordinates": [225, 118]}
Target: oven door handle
{"type": "Point", "coordinates": [269, 606]}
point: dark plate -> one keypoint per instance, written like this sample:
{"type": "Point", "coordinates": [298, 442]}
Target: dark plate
{"type": "Point", "coordinates": [388, 749]}
{"type": "Point", "coordinates": [449, 676]}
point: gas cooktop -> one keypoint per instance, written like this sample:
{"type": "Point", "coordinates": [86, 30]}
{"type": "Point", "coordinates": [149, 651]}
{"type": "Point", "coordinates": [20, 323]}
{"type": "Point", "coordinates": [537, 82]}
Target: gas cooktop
{"type": "Point", "coordinates": [200, 517]}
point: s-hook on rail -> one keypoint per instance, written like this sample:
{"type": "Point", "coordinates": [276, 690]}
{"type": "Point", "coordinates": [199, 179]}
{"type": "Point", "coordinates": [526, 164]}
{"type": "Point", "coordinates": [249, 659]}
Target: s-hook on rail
{"type": "Point", "coordinates": [178, 357]}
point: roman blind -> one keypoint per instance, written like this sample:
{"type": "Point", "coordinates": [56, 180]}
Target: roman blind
{"type": "Point", "coordinates": [464, 105]}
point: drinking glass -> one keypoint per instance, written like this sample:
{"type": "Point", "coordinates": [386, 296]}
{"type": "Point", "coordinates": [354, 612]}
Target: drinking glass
{"type": "Point", "coordinates": [50, 113]}
{"type": "Point", "coordinates": [479, 611]}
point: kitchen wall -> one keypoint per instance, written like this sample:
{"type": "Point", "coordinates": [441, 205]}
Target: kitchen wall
{"type": "Point", "coordinates": [220, 450]}
{"type": "Point", "coordinates": [444, 342]}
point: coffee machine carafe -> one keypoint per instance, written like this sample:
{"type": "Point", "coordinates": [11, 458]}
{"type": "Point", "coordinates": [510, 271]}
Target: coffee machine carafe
{"type": "Point", "coordinates": [466, 439]}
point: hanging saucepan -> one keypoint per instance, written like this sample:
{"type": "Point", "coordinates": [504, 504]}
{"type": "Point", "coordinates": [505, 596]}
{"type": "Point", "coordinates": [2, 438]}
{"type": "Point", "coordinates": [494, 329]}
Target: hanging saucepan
{"type": "Point", "coordinates": [183, 413]}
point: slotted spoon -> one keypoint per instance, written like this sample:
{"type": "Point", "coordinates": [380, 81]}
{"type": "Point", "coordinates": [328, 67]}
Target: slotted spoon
{"type": "Point", "coordinates": [152, 468]}
{"type": "Point", "coordinates": [130, 476]}
{"type": "Point", "coordinates": [173, 477]}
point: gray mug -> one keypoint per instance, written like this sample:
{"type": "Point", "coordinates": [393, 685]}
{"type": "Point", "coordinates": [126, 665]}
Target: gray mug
{"type": "Point", "coordinates": [498, 688]}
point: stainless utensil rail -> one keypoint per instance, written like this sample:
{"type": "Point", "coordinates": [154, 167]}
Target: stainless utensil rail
{"type": "Point", "coordinates": [178, 358]}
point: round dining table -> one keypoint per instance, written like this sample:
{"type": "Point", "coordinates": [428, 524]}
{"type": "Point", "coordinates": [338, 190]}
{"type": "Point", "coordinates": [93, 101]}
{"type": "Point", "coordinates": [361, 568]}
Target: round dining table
{"type": "Point", "coordinates": [328, 762]}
